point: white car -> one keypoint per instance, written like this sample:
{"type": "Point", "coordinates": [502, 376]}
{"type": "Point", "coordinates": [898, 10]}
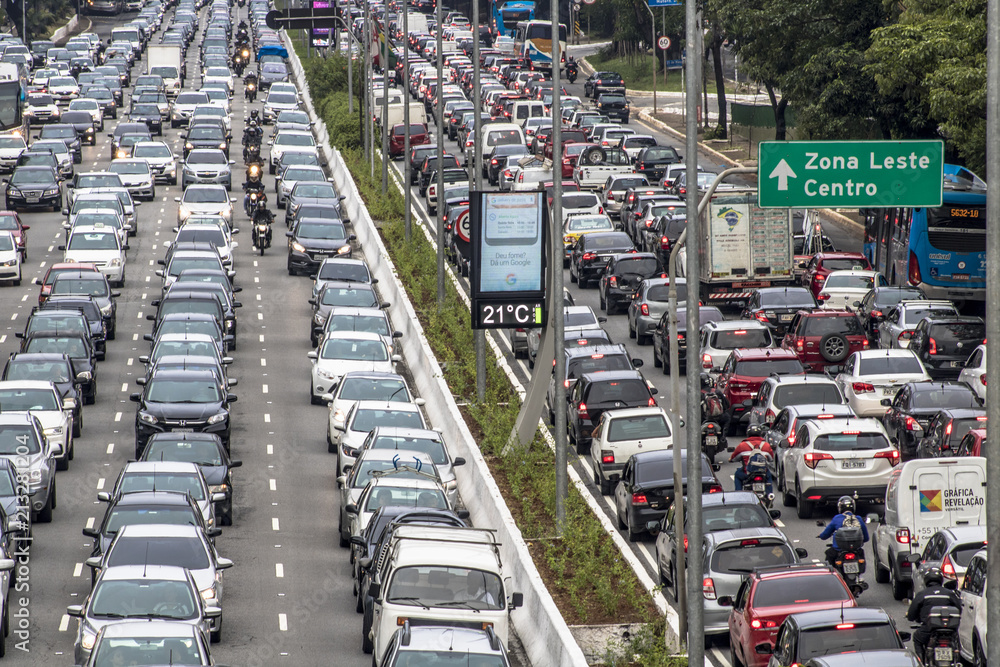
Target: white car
{"type": "Point", "coordinates": [63, 155]}
{"type": "Point", "coordinates": [279, 101]}
{"type": "Point", "coordinates": [43, 401]}
{"type": "Point", "coordinates": [843, 288]}
{"type": "Point", "coordinates": [834, 456]}
{"type": "Point", "coordinates": [10, 258]}
{"type": "Point", "coordinates": [98, 245]}
{"type": "Point", "coordinates": [205, 200]}
{"type": "Point", "coordinates": [633, 144]}
{"type": "Point", "coordinates": [137, 176]}
{"type": "Point", "coordinates": [871, 376]}
{"type": "Point", "coordinates": [363, 386]}
{"type": "Point", "coordinates": [160, 159]}
{"type": "Point", "coordinates": [296, 141]}
{"type": "Point", "coordinates": [972, 625]}
{"type": "Point", "coordinates": [218, 75]}
{"type": "Point", "coordinates": [218, 97]}
{"type": "Point", "coordinates": [974, 373]}
{"type": "Point", "coordinates": [63, 88]}
{"type": "Point", "coordinates": [293, 174]}
{"type": "Point", "coordinates": [580, 202]}
{"type": "Point", "coordinates": [214, 230]}
{"type": "Point", "coordinates": [11, 147]}
{"type": "Point", "coordinates": [391, 490]}
{"type": "Point", "coordinates": [896, 328]}
{"type": "Point", "coordinates": [365, 416]}
{"type": "Point", "coordinates": [347, 351]}
{"type": "Point", "coordinates": [92, 107]}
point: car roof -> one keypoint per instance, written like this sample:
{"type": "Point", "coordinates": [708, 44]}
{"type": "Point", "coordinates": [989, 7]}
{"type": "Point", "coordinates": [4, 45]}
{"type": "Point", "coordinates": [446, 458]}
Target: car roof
{"type": "Point", "coordinates": [611, 376]}
{"type": "Point", "coordinates": [747, 353]}
{"type": "Point", "coordinates": [801, 379]}
{"type": "Point", "coordinates": [794, 570]}
{"type": "Point", "coordinates": [727, 497]}
{"type": "Point", "coordinates": [733, 325]}
{"type": "Point", "coordinates": [148, 628]}
{"type": "Point", "coordinates": [721, 538]}
{"type": "Point", "coordinates": [882, 353]}
{"type": "Point", "coordinates": [158, 529]}
{"type": "Point", "coordinates": [809, 410]}
{"type": "Point", "coordinates": [814, 619]}
{"type": "Point", "coordinates": [26, 384]}
{"type": "Point", "coordinates": [153, 499]}
{"type": "Point", "coordinates": [402, 406]}
{"type": "Point", "coordinates": [841, 424]}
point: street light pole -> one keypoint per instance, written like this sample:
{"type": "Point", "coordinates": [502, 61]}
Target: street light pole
{"type": "Point", "coordinates": [385, 104]}
{"type": "Point", "coordinates": [556, 298]}
{"type": "Point", "coordinates": [479, 335]}
{"type": "Point", "coordinates": [439, 120]}
{"type": "Point", "coordinates": [407, 189]}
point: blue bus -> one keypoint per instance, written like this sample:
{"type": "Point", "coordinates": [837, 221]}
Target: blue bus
{"type": "Point", "coordinates": [941, 250]}
{"type": "Point", "coordinates": [533, 42]}
{"type": "Point", "coordinates": [506, 14]}
{"type": "Point", "coordinates": [13, 99]}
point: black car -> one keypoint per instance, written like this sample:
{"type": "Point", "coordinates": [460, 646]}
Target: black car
{"type": "Point", "coordinates": [429, 167]}
{"type": "Point", "coordinates": [660, 237]}
{"type": "Point", "coordinates": [182, 400]}
{"type": "Point", "coordinates": [603, 82]}
{"type": "Point", "coordinates": [661, 334]}
{"type": "Point", "coordinates": [150, 115]}
{"type": "Point", "coordinates": [592, 252]}
{"type": "Point", "coordinates": [65, 314]}
{"type": "Point", "coordinates": [776, 306]}
{"type": "Point", "coordinates": [314, 240]}
{"type": "Point", "coordinates": [92, 285]}
{"type": "Point", "coordinates": [161, 507]}
{"type": "Point", "coordinates": [211, 456]}
{"type": "Point", "coordinates": [49, 367]}
{"type": "Point", "coordinates": [33, 187]}
{"type": "Point", "coordinates": [646, 488]}
{"type": "Point", "coordinates": [946, 429]}
{"type": "Point", "coordinates": [206, 136]}
{"type": "Point", "coordinates": [123, 128]}
{"type": "Point", "coordinates": [68, 135]}
{"type": "Point", "coordinates": [183, 301]}
{"type": "Point", "coordinates": [590, 354]}
{"type": "Point", "coordinates": [75, 345]}
{"type": "Point", "coordinates": [879, 301]}
{"type": "Point", "coordinates": [596, 392]}
{"type": "Point", "coordinates": [815, 634]}
{"type": "Point", "coordinates": [494, 164]}
{"type": "Point", "coordinates": [417, 155]}
{"type": "Point", "coordinates": [916, 403]}
{"type": "Point", "coordinates": [652, 161]}
{"type": "Point", "coordinates": [614, 106]}
{"type": "Point", "coordinates": [83, 123]}
{"type": "Point", "coordinates": [622, 277]}
{"type": "Point", "coordinates": [342, 293]}
{"type": "Point", "coordinates": [943, 344]}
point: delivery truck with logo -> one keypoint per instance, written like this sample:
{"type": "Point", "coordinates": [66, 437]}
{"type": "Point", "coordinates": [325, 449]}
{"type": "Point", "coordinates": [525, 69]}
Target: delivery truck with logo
{"type": "Point", "coordinates": [922, 497]}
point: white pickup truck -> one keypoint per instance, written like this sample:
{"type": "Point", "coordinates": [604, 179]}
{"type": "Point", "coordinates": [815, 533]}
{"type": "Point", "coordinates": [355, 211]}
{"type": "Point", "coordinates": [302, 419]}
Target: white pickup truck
{"type": "Point", "coordinates": [597, 163]}
{"type": "Point", "coordinates": [622, 433]}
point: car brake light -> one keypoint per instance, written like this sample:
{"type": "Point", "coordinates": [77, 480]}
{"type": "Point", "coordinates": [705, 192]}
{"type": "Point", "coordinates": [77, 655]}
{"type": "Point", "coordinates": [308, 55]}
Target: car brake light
{"type": "Point", "coordinates": [812, 459]}
{"type": "Point", "coordinates": [982, 418]}
{"type": "Point", "coordinates": [913, 274]}
{"type": "Point", "coordinates": [600, 209]}
{"type": "Point", "coordinates": [587, 256]}
{"type": "Point", "coordinates": [982, 379]}
{"type": "Point", "coordinates": [715, 488]}
{"type": "Point", "coordinates": [791, 439]}
{"type": "Point", "coordinates": [904, 335]}
{"type": "Point", "coordinates": [611, 196]}
{"type": "Point", "coordinates": [947, 429]}
{"type": "Point", "coordinates": [749, 543]}
{"type": "Point", "coordinates": [607, 456]}
{"type": "Point", "coordinates": [912, 424]}
{"type": "Point", "coordinates": [761, 317]}
{"type": "Point", "coordinates": [639, 499]}
{"type": "Point", "coordinates": [845, 626]}
{"type": "Point", "coordinates": [862, 388]}
{"type": "Point", "coordinates": [948, 568]}
{"type": "Point", "coordinates": [685, 543]}
{"type": "Point", "coordinates": [664, 243]}
{"type": "Point", "coordinates": [823, 297]}
{"type": "Point", "coordinates": [613, 281]}
{"type": "Point", "coordinates": [708, 588]}
{"type": "Point", "coordinates": [799, 342]}
{"type": "Point", "coordinates": [769, 415]}
{"type": "Point", "coordinates": [932, 346]}
{"type": "Point", "coordinates": [493, 161]}
{"type": "Point", "coordinates": [903, 535]}
{"type": "Point", "coordinates": [757, 624]}
{"type": "Point", "coordinates": [892, 455]}
{"type": "Point", "coordinates": [582, 411]}
{"type": "Point", "coordinates": [565, 382]}
{"type": "Point", "coordinates": [706, 361]}
{"type": "Point", "coordinates": [818, 278]}
{"type": "Point", "coordinates": [651, 402]}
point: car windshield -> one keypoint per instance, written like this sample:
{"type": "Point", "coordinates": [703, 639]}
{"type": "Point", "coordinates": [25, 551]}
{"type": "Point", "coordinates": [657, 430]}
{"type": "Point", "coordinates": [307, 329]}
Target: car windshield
{"type": "Point", "coordinates": [354, 350]}
{"type": "Point", "coordinates": [957, 331]}
{"type": "Point", "coordinates": [638, 427]}
{"type": "Point", "coordinates": [15, 400]}
{"type": "Point", "coordinates": [661, 293]}
{"type": "Point", "coordinates": [368, 323]}
{"type": "Point", "coordinates": [295, 140]}
{"type": "Point", "coordinates": [11, 142]}
{"type": "Point", "coordinates": [160, 481]}
{"type": "Point", "coordinates": [51, 371]}
{"type": "Point", "coordinates": [582, 200]}
{"type": "Point", "coordinates": [202, 452]}
{"type": "Point", "coordinates": [171, 516]}
{"type": "Point", "coordinates": [74, 348]}
{"type": "Point", "coordinates": [368, 418]}
{"type": "Point", "coordinates": [583, 318]}
{"type": "Point", "coordinates": [301, 174]}
{"type": "Point", "coordinates": [789, 298]}
{"type": "Point", "coordinates": [99, 181]}
{"type": "Point", "coordinates": [435, 585]}
{"type": "Point", "coordinates": [297, 117]}
{"type": "Point", "coordinates": [626, 391]}
{"type": "Point", "coordinates": [849, 441]}
{"type": "Point", "coordinates": [207, 327]}
{"type": "Point", "coordinates": [207, 306]}
{"type": "Point", "coordinates": [182, 391]}
{"type": "Point", "coordinates": [705, 314]}
{"type": "Point", "coordinates": [113, 651]}
{"type": "Point", "coordinates": [795, 590]}
{"type": "Point", "coordinates": [211, 235]}
{"type": "Point", "coordinates": [6, 242]}
{"type": "Point", "coordinates": [186, 552]}
{"type": "Point", "coordinates": [744, 556]}
{"type": "Point", "coordinates": [194, 348]}
{"type": "Point", "coordinates": [275, 68]}
{"type": "Point", "coordinates": [205, 196]}
{"type": "Point", "coordinates": [850, 638]}
{"type": "Point", "coordinates": [93, 241]}
{"type": "Point", "coordinates": [17, 439]}
{"type": "Point", "coordinates": [330, 231]}
{"type": "Point", "coordinates": [32, 177]}
{"type": "Point", "coordinates": [143, 597]}
{"type": "Point", "coordinates": [207, 132]}
{"type": "Point", "coordinates": [578, 366]}
{"type": "Point", "coordinates": [317, 190]}
{"type": "Point", "coordinates": [432, 447]}
{"type": "Point", "coordinates": [207, 157]}
{"type": "Point", "coordinates": [847, 325]}
{"type": "Point", "coordinates": [346, 296]}
{"type": "Point", "coordinates": [889, 365]}
{"type": "Point", "coordinates": [805, 394]}
{"type": "Point", "coordinates": [589, 223]}
{"type": "Point", "coordinates": [186, 263]}
{"type": "Point", "coordinates": [849, 281]}
{"type": "Point", "coordinates": [943, 397]}
{"type": "Point", "coordinates": [911, 315]}
{"type": "Point", "coordinates": [765, 367]}
{"type": "Point", "coordinates": [366, 468]}
{"type": "Point", "coordinates": [137, 167]}
{"type": "Point", "coordinates": [961, 554]}
{"type": "Point", "coordinates": [741, 338]}
{"type": "Point", "coordinates": [282, 98]}
{"type": "Point", "coordinates": [609, 242]}
{"type": "Point", "coordinates": [364, 389]}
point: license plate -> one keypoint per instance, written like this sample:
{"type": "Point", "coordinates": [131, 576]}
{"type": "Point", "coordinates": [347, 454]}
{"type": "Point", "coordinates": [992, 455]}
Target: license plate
{"type": "Point", "coordinates": [183, 430]}
{"type": "Point", "coordinates": [852, 464]}
{"type": "Point", "coordinates": [959, 276]}
{"type": "Point", "coordinates": [758, 487]}
{"type": "Point", "coordinates": [711, 440]}
{"type": "Point", "coordinates": [32, 200]}
{"type": "Point", "coordinates": [851, 568]}
{"type": "Point", "coordinates": [943, 653]}
{"type": "Point", "coordinates": [889, 391]}
{"type": "Point", "coordinates": [785, 318]}
{"type": "Point", "coordinates": [958, 364]}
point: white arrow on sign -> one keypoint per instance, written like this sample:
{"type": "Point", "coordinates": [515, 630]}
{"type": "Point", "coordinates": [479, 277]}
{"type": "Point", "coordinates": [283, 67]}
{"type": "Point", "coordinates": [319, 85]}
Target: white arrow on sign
{"type": "Point", "coordinates": [782, 172]}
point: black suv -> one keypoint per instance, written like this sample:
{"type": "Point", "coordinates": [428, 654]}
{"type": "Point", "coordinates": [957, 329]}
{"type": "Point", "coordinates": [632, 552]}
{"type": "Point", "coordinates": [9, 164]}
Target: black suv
{"type": "Point", "coordinates": [64, 314]}
{"type": "Point", "coordinates": [652, 161]}
{"type": "Point", "coordinates": [596, 392]}
{"type": "Point", "coordinates": [603, 82]}
{"type": "Point", "coordinates": [944, 343]}
{"type": "Point", "coordinates": [614, 106]}
{"type": "Point", "coordinates": [594, 357]}
{"type": "Point", "coordinates": [183, 399]}
{"type": "Point", "coordinates": [592, 253]}
{"type": "Point", "coordinates": [622, 277]}
{"type": "Point", "coordinates": [67, 134]}
{"type": "Point", "coordinates": [910, 413]}
{"type": "Point", "coordinates": [814, 634]}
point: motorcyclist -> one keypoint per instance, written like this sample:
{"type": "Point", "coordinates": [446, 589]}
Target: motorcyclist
{"type": "Point", "coordinates": [252, 184]}
{"type": "Point", "coordinates": [936, 594]}
{"type": "Point", "coordinates": [845, 510]}
{"type": "Point", "coordinates": [747, 448]}
{"type": "Point", "coordinates": [254, 116]}
{"type": "Point", "coordinates": [253, 134]}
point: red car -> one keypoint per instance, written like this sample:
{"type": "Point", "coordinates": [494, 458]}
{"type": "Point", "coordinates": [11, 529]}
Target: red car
{"type": "Point", "coordinates": [768, 595]}
{"type": "Point", "coordinates": [973, 443]}
{"type": "Point", "coordinates": [824, 338]}
{"type": "Point", "coordinates": [745, 370]}
{"type": "Point", "coordinates": [823, 263]}
{"type": "Point", "coordinates": [10, 221]}
{"type": "Point", "coordinates": [397, 140]}
{"type": "Point", "coordinates": [55, 270]}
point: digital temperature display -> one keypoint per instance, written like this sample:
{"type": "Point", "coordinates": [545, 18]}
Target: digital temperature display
{"type": "Point", "coordinates": [508, 313]}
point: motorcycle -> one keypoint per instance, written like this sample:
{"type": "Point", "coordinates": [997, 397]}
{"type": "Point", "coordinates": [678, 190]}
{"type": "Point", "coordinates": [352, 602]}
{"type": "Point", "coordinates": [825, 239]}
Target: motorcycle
{"type": "Point", "coordinates": [250, 92]}
{"type": "Point", "coordinates": [251, 154]}
{"type": "Point", "coordinates": [571, 72]}
{"type": "Point", "coordinates": [713, 410]}
{"type": "Point", "coordinates": [254, 200]}
{"type": "Point", "coordinates": [261, 236]}
{"type": "Point", "coordinates": [238, 65]}
{"type": "Point", "coordinates": [850, 559]}
{"type": "Point", "coordinates": [942, 644]}
{"type": "Point", "coordinates": [757, 478]}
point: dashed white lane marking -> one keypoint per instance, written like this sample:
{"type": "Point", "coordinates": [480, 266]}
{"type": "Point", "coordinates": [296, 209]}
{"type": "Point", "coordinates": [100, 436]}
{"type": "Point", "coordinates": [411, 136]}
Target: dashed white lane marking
{"type": "Point", "coordinates": [14, 316]}
{"type": "Point", "coordinates": [90, 520]}
{"type": "Point", "coordinates": [3, 338]}
{"type": "Point", "coordinates": [130, 359]}
{"type": "Point", "coordinates": [124, 386]}
{"type": "Point", "coordinates": [64, 623]}
{"type": "Point", "coordinates": [270, 449]}
{"type": "Point", "coordinates": [267, 418]}
{"type": "Point", "coordinates": [263, 388]}
{"type": "Point", "coordinates": [273, 484]}
{"type": "Point", "coordinates": [111, 448]}
{"type": "Point", "coordinates": [78, 569]}
{"type": "Point", "coordinates": [135, 336]}
{"type": "Point", "coordinates": [140, 315]}
{"type": "Point", "coordinates": [279, 570]}
{"type": "Point", "coordinates": [779, 523]}
{"type": "Point", "coordinates": [260, 316]}
{"type": "Point", "coordinates": [263, 362]}
{"type": "Point", "coordinates": [100, 485]}
{"type": "Point", "coordinates": [274, 523]}
{"type": "Point", "coordinates": [25, 297]}
{"type": "Point", "coordinates": [283, 622]}
{"type": "Point", "coordinates": [118, 416]}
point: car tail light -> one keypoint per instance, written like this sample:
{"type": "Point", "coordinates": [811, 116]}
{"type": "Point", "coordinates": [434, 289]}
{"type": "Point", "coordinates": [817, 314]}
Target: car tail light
{"type": "Point", "coordinates": [706, 361]}
{"type": "Point", "coordinates": [761, 317]}
{"type": "Point", "coordinates": [862, 388]}
{"type": "Point", "coordinates": [812, 459]}
{"type": "Point", "coordinates": [757, 624]}
{"type": "Point", "coordinates": [493, 161]}
{"type": "Point", "coordinates": [715, 488]}
{"type": "Point", "coordinates": [912, 424]}
{"type": "Point", "coordinates": [914, 270]}
{"type": "Point", "coordinates": [876, 313]}
{"type": "Point", "coordinates": [845, 626]}
{"type": "Point", "coordinates": [507, 174]}
{"type": "Point", "coordinates": [904, 335]}
{"type": "Point", "coordinates": [582, 411]}
{"type": "Point", "coordinates": [613, 281]}
{"type": "Point", "coordinates": [818, 278]}
{"type": "Point", "coordinates": [664, 243]}
{"type": "Point", "coordinates": [611, 196]}
{"type": "Point", "coordinates": [639, 499]}
{"type": "Point", "coordinates": [565, 382]}
{"type": "Point", "coordinates": [932, 346]}
{"type": "Point", "coordinates": [947, 429]}
{"type": "Point", "coordinates": [948, 568]}
{"type": "Point", "coordinates": [982, 379]}
{"type": "Point", "coordinates": [685, 543]}
{"type": "Point", "coordinates": [644, 309]}
{"type": "Point", "coordinates": [600, 209]}
{"type": "Point", "coordinates": [651, 402]}
{"type": "Point", "coordinates": [799, 344]}
{"type": "Point", "coordinates": [769, 415]}
{"type": "Point", "coordinates": [823, 297]}
{"type": "Point", "coordinates": [587, 256]}
{"type": "Point", "coordinates": [903, 535]}
{"type": "Point", "coordinates": [892, 455]}
{"type": "Point", "coordinates": [791, 439]}
{"type": "Point", "coordinates": [708, 588]}
{"type": "Point", "coordinates": [607, 456]}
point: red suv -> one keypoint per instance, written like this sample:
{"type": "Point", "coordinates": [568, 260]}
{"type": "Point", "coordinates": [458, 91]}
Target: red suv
{"type": "Point", "coordinates": [768, 595]}
{"type": "Point", "coordinates": [397, 140]}
{"type": "Point", "coordinates": [745, 370]}
{"type": "Point", "coordinates": [823, 263]}
{"type": "Point", "coordinates": [824, 338]}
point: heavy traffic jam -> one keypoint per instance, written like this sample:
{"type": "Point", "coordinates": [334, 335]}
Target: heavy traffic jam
{"type": "Point", "coordinates": [842, 375]}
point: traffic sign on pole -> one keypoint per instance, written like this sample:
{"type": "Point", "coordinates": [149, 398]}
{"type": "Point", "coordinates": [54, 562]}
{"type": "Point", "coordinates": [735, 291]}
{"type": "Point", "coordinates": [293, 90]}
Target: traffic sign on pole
{"type": "Point", "coordinates": [664, 3]}
{"type": "Point", "coordinates": [663, 42]}
{"type": "Point", "coordinates": [850, 174]}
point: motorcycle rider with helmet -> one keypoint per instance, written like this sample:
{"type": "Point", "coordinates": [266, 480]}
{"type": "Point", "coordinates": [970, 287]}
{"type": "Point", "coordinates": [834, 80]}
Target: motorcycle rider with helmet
{"type": "Point", "coordinates": [747, 449]}
{"type": "Point", "coordinates": [845, 511]}
{"type": "Point", "coordinates": [253, 184]}
{"type": "Point", "coordinates": [937, 594]}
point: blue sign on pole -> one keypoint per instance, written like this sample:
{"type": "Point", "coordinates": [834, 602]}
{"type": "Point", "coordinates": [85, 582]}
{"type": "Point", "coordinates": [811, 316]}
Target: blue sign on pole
{"type": "Point", "coordinates": [665, 3]}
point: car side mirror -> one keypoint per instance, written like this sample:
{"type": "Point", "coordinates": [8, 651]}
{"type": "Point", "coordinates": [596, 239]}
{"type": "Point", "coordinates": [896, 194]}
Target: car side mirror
{"type": "Point", "coordinates": [91, 532]}
{"type": "Point", "coordinates": [93, 562]}
{"type": "Point", "coordinates": [914, 558]}
{"type": "Point", "coordinates": [725, 601]}
{"type": "Point", "coordinates": [463, 514]}
{"type": "Point", "coordinates": [351, 508]}
{"type": "Point", "coordinates": [775, 514]}
{"type": "Point", "coordinates": [637, 362]}
{"type": "Point", "coordinates": [748, 403]}
{"type": "Point", "coordinates": [223, 563]}
{"type": "Point", "coordinates": [801, 553]}
{"type": "Point", "coordinates": [905, 636]}
{"type": "Point", "coordinates": [213, 532]}
{"type": "Point", "coordinates": [104, 496]}
{"type": "Point", "coordinates": [385, 306]}
{"type": "Point", "coordinates": [516, 600]}
{"type": "Point", "coordinates": [135, 398]}
{"type": "Point", "coordinates": [763, 649]}
{"type": "Point", "coordinates": [141, 382]}
{"type": "Point", "coordinates": [885, 402]}
{"type": "Point", "coordinates": [653, 527]}
{"type": "Point", "coordinates": [716, 467]}
{"type": "Point", "coordinates": [358, 541]}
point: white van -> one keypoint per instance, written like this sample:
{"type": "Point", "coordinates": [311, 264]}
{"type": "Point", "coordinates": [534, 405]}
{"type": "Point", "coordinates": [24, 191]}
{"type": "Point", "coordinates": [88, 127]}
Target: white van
{"type": "Point", "coordinates": [525, 109]}
{"type": "Point", "coordinates": [622, 433]}
{"type": "Point", "coordinates": [922, 497]}
{"type": "Point", "coordinates": [496, 134]}
{"type": "Point", "coordinates": [972, 626]}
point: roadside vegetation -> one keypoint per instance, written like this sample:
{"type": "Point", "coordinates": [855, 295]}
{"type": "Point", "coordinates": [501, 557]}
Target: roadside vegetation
{"type": "Point", "coordinates": [584, 571]}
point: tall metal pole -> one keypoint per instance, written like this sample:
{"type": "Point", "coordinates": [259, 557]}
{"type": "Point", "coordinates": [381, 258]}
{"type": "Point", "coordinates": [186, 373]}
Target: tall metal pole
{"type": "Point", "coordinates": [407, 189]}
{"type": "Point", "coordinates": [695, 601]}
{"type": "Point", "coordinates": [479, 339]}
{"type": "Point", "coordinates": [993, 319]}
{"type": "Point", "coordinates": [678, 580]}
{"type": "Point", "coordinates": [385, 105]}
{"type": "Point", "coordinates": [350, 68]}
{"type": "Point", "coordinates": [367, 82]}
{"type": "Point", "coordinates": [556, 298]}
{"type": "Point", "coordinates": [652, 46]}
{"type": "Point", "coordinates": [439, 120]}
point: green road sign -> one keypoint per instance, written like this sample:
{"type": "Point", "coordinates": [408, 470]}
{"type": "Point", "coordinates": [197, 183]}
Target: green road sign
{"type": "Point", "coordinates": [850, 174]}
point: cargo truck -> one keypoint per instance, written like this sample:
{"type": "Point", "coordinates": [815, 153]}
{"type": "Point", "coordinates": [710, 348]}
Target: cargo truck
{"type": "Point", "coordinates": [167, 60]}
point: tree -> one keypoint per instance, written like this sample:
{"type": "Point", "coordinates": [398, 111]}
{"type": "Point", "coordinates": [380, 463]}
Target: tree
{"type": "Point", "coordinates": [931, 65]}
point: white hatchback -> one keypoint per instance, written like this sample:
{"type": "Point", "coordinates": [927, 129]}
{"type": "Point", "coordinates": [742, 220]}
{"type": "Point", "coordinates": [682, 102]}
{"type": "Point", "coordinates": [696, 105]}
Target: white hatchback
{"type": "Point", "coordinates": [974, 373]}
{"type": "Point", "coordinates": [347, 351]}
{"type": "Point", "coordinates": [871, 376]}
{"type": "Point", "coordinates": [843, 288]}
{"type": "Point", "coordinates": [100, 246]}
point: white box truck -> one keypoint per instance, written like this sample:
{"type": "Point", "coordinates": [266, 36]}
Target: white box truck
{"type": "Point", "coordinates": [922, 497]}
{"type": "Point", "coordinates": [167, 60]}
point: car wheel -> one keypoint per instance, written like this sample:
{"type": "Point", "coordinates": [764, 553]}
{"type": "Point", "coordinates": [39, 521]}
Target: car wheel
{"type": "Point", "coordinates": [834, 347]}
{"type": "Point", "coordinates": [227, 514]}
{"type": "Point", "coordinates": [978, 657]}
{"type": "Point", "coordinates": [787, 498]}
{"type": "Point", "coordinates": [733, 660]}
{"type": "Point", "coordinates": [605, 485]}
{"type": "Point", "coordinates": [899, 588]}
{"type": "Point", "coordinates": [604, 307]}
{"type": "Point", "coordinates": [804, 508]}
{"type": "Point", "coordinates": [313, 398]}
{"type": "Point", "coordinates": [45, 514]}
{"type": "Point", "coordinates": [63, 463]}
{"type": "Point", "coordinates": [618, 516]}
{"type": "Point", "coordinates": [344, 542]}
{"type": "Point", "coordinates": [633, 536]}
{"type": "Point", "coordinates": [881, 573]}
{"type": "Point", "coordinates": [78, 425]}
{"type": "Point", "coordinates": [657, 360]}
{"type": "Point", "coordinates": [216, 635]}
{"type": "Point", "coordinates": [367, 645]}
